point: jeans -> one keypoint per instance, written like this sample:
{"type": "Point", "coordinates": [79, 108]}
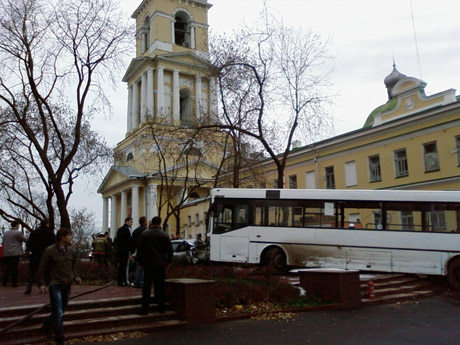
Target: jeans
{"type": "Point", "coordinates": [59, 298]}
{"type": "Point", "coordinates": [138, 276]}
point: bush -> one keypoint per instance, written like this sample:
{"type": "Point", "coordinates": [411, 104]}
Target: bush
{"type": "Point", "coordinates": [94, 273]}
{"type": "Point", "coordinates": [236, 285]}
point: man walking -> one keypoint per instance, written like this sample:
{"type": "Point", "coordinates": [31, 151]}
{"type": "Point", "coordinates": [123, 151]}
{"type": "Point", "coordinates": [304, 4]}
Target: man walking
{"type": "Point", "coordinates": [123, 245]}
{"type": "Point", "coordinates": [154, 253]}
{"type": "Point", "coordinates": [58, 266]}
{"type": "Point", "coordinates": [139, 273]}
{"type": "Point", "coordinates": [38, 241]}
{"type": "Point", "coordinates": [12, 251]}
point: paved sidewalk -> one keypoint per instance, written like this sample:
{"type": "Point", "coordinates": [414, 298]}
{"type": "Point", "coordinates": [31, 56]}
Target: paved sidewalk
{"type": "Point", "coordinates": [432, 321]}
{"type": "Point", "coordinates": [14, 297]}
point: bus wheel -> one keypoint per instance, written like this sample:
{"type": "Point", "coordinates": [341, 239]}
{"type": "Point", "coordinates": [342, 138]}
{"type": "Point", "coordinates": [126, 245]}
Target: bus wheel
{"type": "Point", "coordinates": [453, 274]}
{"type": "Point", "coordinates": [276, 260]}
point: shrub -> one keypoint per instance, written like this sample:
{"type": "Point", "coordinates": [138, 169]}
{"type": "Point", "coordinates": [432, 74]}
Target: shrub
{"type": "Point", "coordinates": [92, 272]}
{"type": "Point", "coordinates": [236, 285]}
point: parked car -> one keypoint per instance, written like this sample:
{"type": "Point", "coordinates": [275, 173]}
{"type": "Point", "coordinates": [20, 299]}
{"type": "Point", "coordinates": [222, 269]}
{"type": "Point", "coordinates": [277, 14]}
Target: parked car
{"type": "Point", "coordinates": [184, 251]}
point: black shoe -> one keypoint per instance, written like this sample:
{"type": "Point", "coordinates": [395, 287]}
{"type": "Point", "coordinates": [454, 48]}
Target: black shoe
{"type": "Point", "coordinates": [142, 312]}
{"type": "Point", "coordinates": [28, 290]}
{"type": "Point", "coordinates": [47, 331]}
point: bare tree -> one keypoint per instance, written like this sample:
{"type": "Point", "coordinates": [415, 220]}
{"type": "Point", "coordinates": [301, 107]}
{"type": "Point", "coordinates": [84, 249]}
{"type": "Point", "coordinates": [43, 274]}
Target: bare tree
{"type": "Point", "coordinates": [83, 228]}
{"type": "Point", "coordinates": [272, 81]}
{"type": "Point", "coordinates": [54, 54]}
{"type": "Point", "coordinates": [181, 165]}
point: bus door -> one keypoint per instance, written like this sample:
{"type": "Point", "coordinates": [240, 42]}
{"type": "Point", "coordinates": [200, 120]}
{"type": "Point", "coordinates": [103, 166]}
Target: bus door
{"type": "Point", "coordinates": [230, 226]}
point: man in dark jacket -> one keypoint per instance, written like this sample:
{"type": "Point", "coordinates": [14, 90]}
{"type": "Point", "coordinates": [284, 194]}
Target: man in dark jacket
{"type": "Point", "coordinates": [57, 267]}
{"type": "Point", "coordinates": [154, 253]}
{"type": "Point", "coordinates": [123, 246]}
{"type": "Point", "coordinates": [39, 239]}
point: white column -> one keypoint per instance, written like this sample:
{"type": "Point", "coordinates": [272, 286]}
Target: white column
{"type": "Point", "coordinates": [176, 96]}
{"type": "Point", "coordinates": [198, 110]}
{"type": "Point", "coordinates": [135, 203]}
{"type": "Point", "coordinates": [160, 92]}
{"type": "Point", "coordinates": [105, 214]}
{"type": "Point", "coordinates": [192, 37]}
{"type": "Point", "coordinates": [123, 207]}
{"type": "Point", "coordinates": [113, 217]}
{"type": "Point", "coordinates": [130, 109]}
{"type": "Point", "coordinates": [135, 111]}
{"type": "Point", "coordinates": [179, 198]}
{"type": "Point", "coordinates": [152, 209]}
{"type": "Point", "coordinates": [143, 98]}
{"type": "Point", "coordinates": [173, 36]}
{"type": "Point", "coordinates": [213, 98]}
{"type": "Point", "coordinates": [150, 101]}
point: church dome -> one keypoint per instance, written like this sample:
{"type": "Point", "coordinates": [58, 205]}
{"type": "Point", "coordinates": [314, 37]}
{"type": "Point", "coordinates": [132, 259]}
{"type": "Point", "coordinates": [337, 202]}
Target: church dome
{"type": "Point", "coordinates": [391, 80]}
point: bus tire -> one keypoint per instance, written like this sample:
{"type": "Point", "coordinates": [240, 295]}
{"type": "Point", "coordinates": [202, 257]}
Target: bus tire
{"type": "Point", "coordinates": [276, 260]}
{"type": "Point", "coordinates": [453, 274]}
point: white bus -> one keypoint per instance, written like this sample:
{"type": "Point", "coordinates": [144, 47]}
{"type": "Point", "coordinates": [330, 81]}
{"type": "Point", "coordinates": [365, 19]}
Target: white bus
{"type": "Point", "coordinates": [374, 230]}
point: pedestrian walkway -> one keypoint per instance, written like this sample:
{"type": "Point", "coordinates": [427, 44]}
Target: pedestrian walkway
{"type": "Point", "coordinates": [14, 297]}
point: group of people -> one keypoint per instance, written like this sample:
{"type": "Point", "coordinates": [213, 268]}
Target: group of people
{"type": "Point", "coordinates": [149, 250]}
{"type": "Point", "coordinates": [52, 264]}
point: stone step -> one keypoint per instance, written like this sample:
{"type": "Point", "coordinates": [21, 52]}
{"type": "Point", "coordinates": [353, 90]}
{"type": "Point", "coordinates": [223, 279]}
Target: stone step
{"type": "Point", "coordinates": [74, 314]}
{"type": "Point", "coordinates": [397, 281]}
{"type": "Point", "coordinates": [92, 326]}
{"type": "Point", "coordinates": [141, 326]}
{"type": "Point", "coordinates": [397, 298]}
{"type": "Point", "coordinates": [73, 305]}
{"type": "Point", "coordinates": [389, 289]}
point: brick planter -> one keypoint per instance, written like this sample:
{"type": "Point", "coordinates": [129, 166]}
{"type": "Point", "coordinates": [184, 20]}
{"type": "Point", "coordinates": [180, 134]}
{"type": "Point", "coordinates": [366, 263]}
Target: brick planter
{"type": "Point", "coordinates": [333, 285]}
{"type": "Point", "coordinates": [193, 299]}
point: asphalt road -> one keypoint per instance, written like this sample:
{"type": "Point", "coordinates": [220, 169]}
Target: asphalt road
{"type": "Point", "coordinates": [433, 321]}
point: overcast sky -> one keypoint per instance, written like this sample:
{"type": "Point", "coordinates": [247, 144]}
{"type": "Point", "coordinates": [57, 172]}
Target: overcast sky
{"type": "Point", "coordinates": [365, 36]}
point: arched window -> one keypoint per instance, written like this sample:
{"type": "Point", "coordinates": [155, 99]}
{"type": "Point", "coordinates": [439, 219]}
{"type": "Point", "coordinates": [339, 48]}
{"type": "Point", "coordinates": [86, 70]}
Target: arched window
{"type": "Point", "coordinates": [146, 34]}
{"type": "Point", "coordinates": [129, 156]}
{"type": "Point", "coordinates": [182, 29]}
{"type": "Point", "coordinates": [185, 107]}
{"type": "Point", "coordinates": [194, 195]}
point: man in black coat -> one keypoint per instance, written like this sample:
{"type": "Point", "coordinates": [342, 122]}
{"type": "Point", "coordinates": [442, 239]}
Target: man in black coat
{"type": "Point", "coordinates": [154, 253]}
{"type": "Point", "coordinates": [123, 246]}
{"type": "Point", "coordinates": [39, 240]}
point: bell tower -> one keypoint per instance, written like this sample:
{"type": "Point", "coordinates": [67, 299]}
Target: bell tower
{"type": "Point", "coordinates": [170, 85]}
{"type": "Point", "coordinates": [168, 80]}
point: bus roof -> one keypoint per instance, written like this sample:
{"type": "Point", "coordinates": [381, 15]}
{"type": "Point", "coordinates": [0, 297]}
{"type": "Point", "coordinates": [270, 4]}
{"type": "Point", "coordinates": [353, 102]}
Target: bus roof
{"type": "Point", "coordinates": [338, 194]}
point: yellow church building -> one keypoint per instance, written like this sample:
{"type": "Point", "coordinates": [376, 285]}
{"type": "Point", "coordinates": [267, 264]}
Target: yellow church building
{"type": "Point", "coordinates": [410, 142]}
{"type": "Point", "coordinates": [169, 90]}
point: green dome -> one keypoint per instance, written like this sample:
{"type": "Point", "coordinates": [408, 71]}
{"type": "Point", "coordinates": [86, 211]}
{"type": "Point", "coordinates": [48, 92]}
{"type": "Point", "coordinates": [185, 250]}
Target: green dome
{"type": "Point", "coordinates": [391, 104]}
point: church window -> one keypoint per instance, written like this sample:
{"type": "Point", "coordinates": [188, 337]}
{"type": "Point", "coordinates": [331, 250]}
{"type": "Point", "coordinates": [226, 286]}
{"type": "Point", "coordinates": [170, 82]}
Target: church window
{"type": "Point", "coordinates": [146, 34]}
{"type": "Point", "coordinates": [129, 156]}
{"type": "Point", "coordinates": [185, 107]}
{"type": "Point", "coordinates": [182, 29]}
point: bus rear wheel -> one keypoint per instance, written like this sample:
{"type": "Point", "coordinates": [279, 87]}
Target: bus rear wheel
{"type": "Point", "coordinates": [276, 260]}
{"type": "Point", "coordinates": [453, 274]}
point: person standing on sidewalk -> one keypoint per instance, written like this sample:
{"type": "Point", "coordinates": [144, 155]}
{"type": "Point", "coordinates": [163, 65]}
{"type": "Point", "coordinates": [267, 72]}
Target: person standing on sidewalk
{"type": "Point", "coordinates": [39, 239]}
{"type": "Point", "coordinates": [154, 253]}
{"type": "Point", "coordinates": [12, 251]}
{"type": "Point", "coordinates": [123, 246]}
{"type": "Point", "coordinates": [58, 266]}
